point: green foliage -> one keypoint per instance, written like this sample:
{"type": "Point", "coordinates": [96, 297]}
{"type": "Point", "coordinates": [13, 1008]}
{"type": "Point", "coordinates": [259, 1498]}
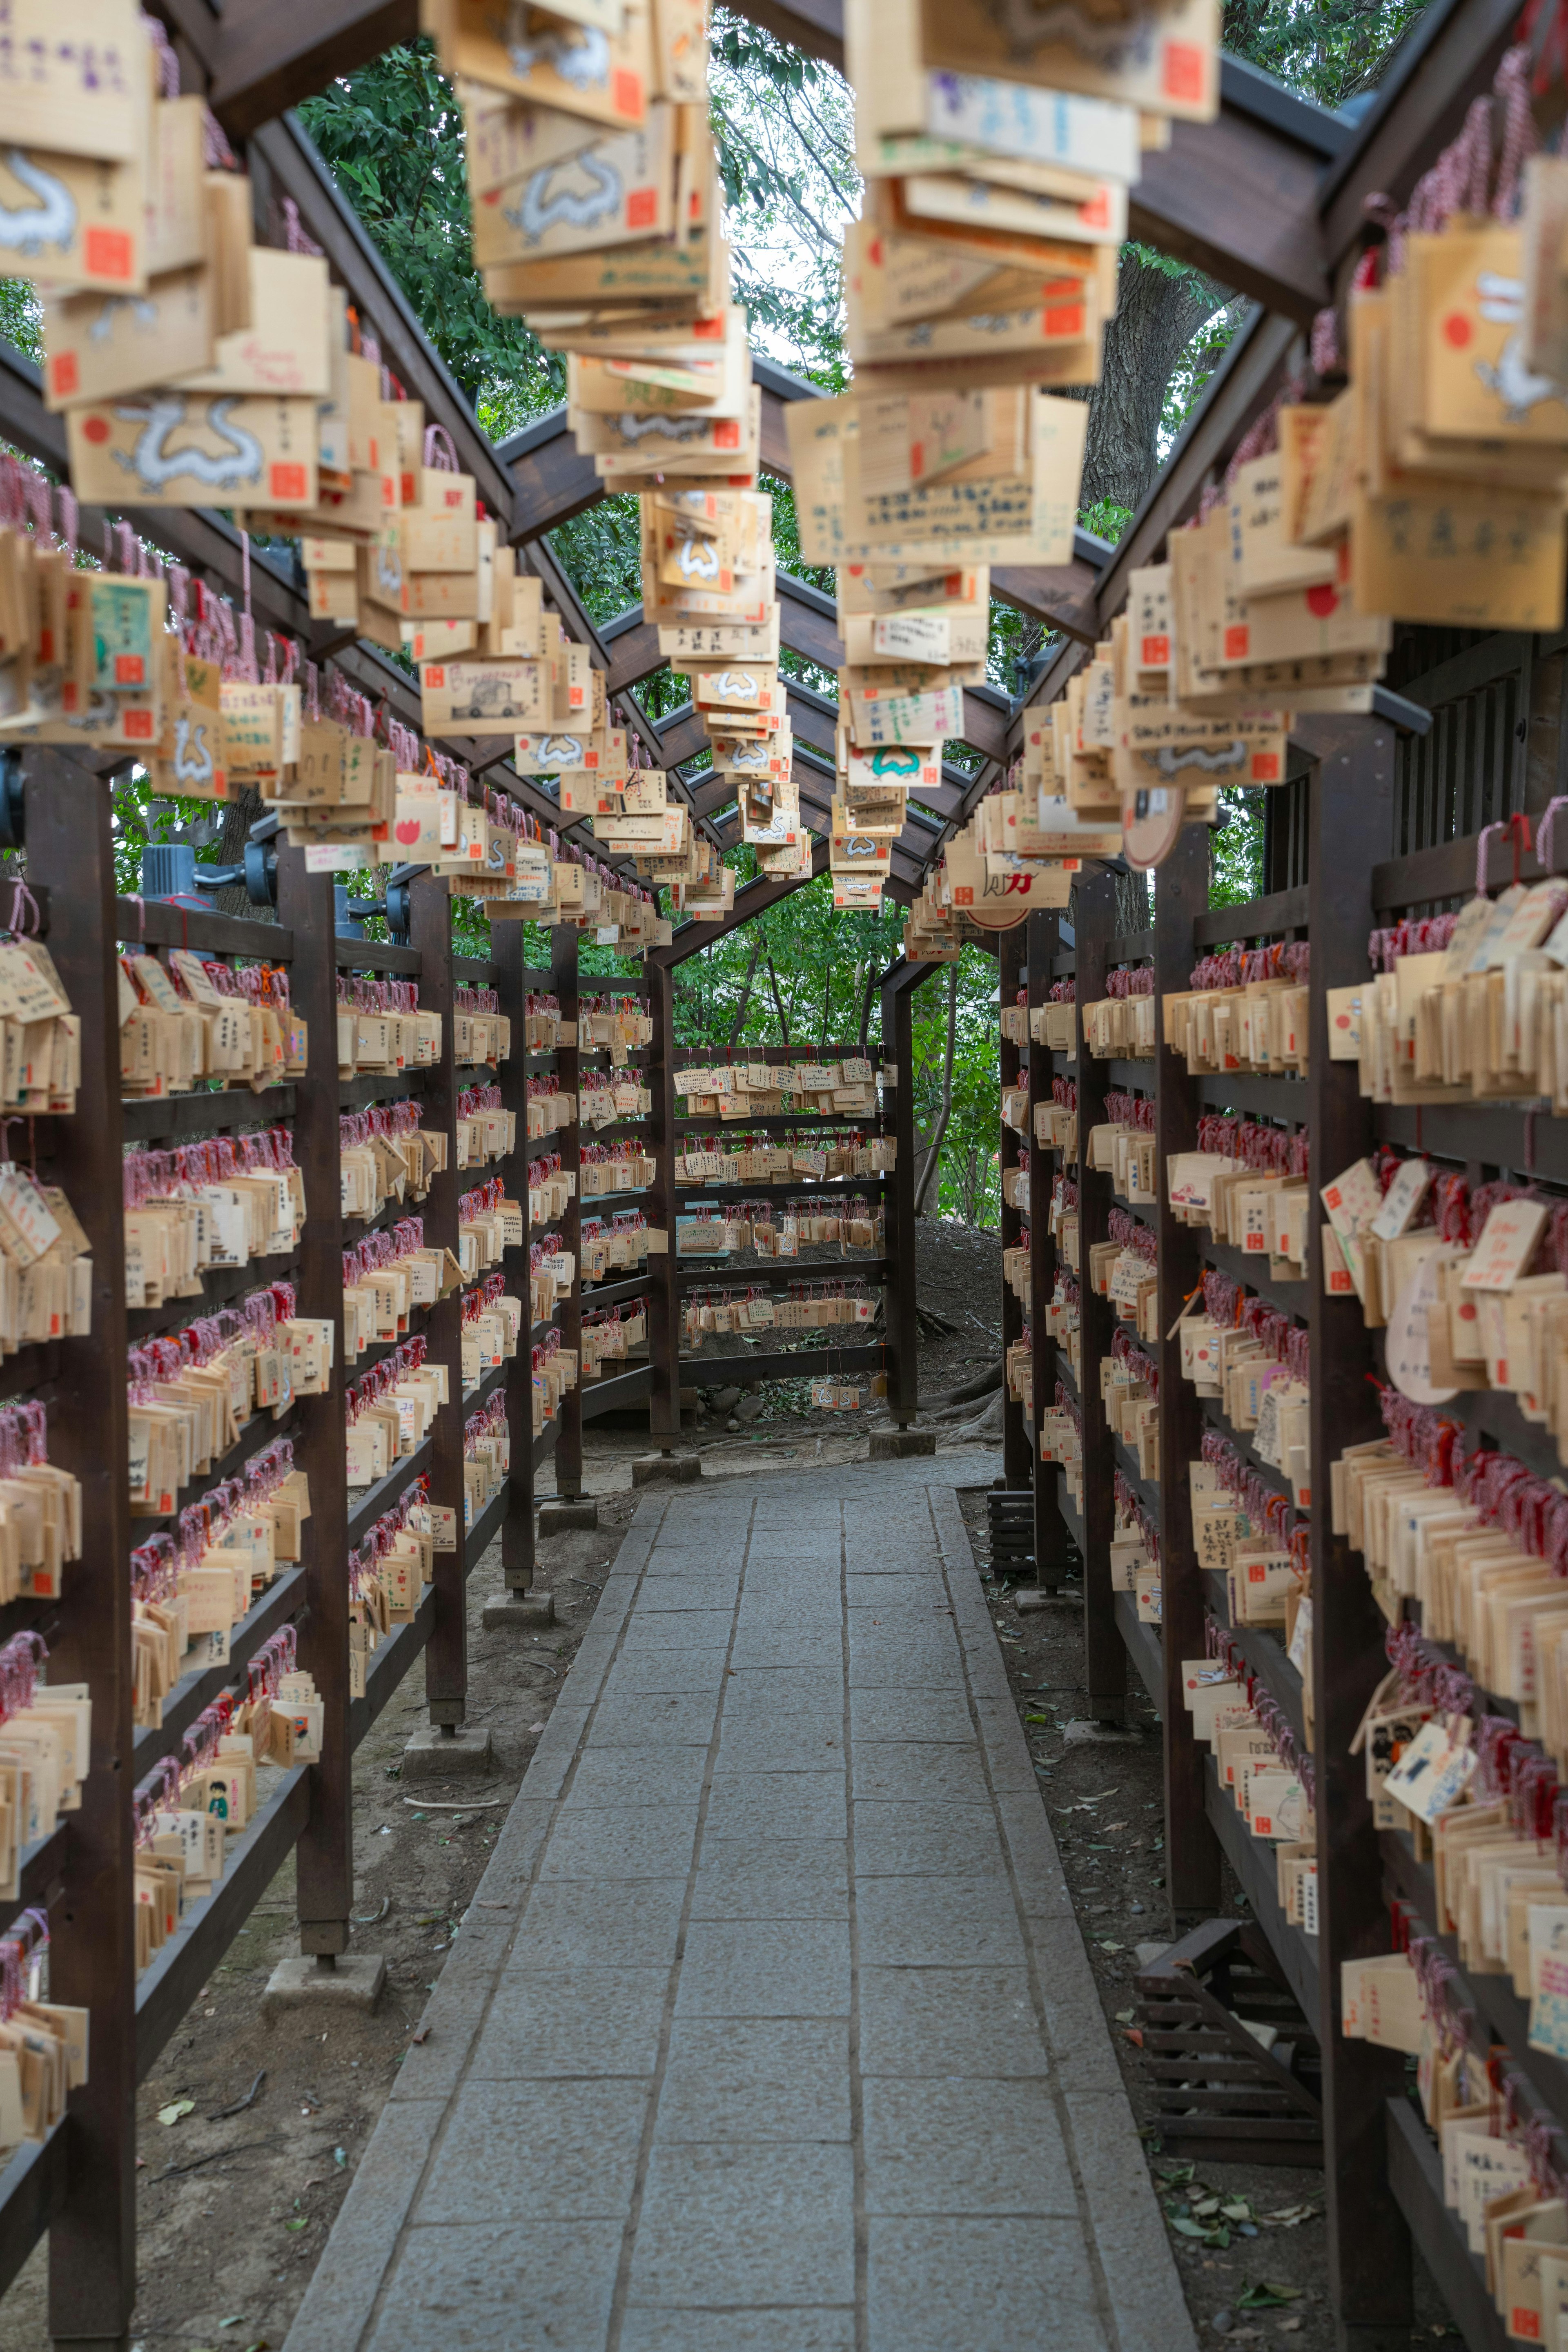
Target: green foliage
{"type": "Point", "coordinates": [1106, 519]}
{"type": "Point", "coordinates": [22, 318]}
{"type": "Point", "coordinates": [824, 961]}
{"type": "Point", "coordinates": [1322, 50]}
{"type": "Point", "coordinates": [393, 138]}
{"type": "Point", "coordinates": [968, 1180]}
{"type": "Point", "coordinates": [784, 127]}
{"type": "Point", "coordinates": [1236, 867]}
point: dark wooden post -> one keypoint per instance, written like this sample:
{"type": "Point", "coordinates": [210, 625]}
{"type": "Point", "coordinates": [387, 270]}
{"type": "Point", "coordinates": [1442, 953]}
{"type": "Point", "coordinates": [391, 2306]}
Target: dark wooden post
{"type": "Point", "coordinates": [517, 1540]}
{"type": "Point", "coordinates": [1105, 1653]}
{"type": "Point", "coordinates": [1368, 2244]}
{"type": "Point", "coordinates": [1042, 936]}
{"type": "Point", "coordinates": [325, 1872]}
{"type": "Point", "coordinates": [1017, 1453]}
{"type": "Point", "coordinates": [663, 1286]}
{"type": "Point", "coordinates": [1191, 1850]}
{"type": "Point", "coordinates": [92, 1962]}
{"type": "Point", "coordinates": [446, 1656]}
{"type": "Point", "coordinates": [898, 1190]}
{"type": "Point", "coordinates": [563, 940]}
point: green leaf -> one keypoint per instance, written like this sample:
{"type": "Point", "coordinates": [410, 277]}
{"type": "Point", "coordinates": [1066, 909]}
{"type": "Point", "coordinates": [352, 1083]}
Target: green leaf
{"type": "Point", "coordinates": [1267, 2294]}
{"type": "Point", "coordinates": [303, 2223]}
{"type": "Point", "coordinates": [176, 2111]}
{"type": "Point", "coordinates": [1189, 2229]}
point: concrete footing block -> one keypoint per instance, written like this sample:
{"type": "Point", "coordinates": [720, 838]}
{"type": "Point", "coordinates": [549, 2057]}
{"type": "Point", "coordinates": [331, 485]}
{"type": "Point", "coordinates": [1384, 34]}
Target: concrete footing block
{"type": "Point", "coordinates": [354, 1981]}
{"type": "Point", "coordinates": [563, 1517]}
{"type": "Point", "coordinates": [899, 1445]}
{"type": "Point", "coordinates": [437, 1753]}
{"type": "Point", "coordinates": [527, 1613]}
{"type": "Point", "coordinates": [677, 1469]}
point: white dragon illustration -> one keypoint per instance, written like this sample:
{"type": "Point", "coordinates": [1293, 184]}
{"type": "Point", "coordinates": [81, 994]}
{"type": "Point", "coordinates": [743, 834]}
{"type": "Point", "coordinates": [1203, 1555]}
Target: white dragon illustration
{"type": "Point", "coordinates": [144, 316]}
{"type": "Point", "coordinates": [1501, 300]}
{"type": "Point", "coordinates": [667, 428]}
{"type": "Point", "coordinates": [194, 763]}
{"type": "Point", "coordinates": [735, 685]}
{"type": "Point", "coordinates": [581, 57]}
{"type": "Point", "coordinates": [51, 221]}
{"type": "Point", "coordinates": [1111, 45]}
{"type": "Point", "coordinates": [698, 558]}
{"type": "Point", "coordinates": [1213, 758]}
{"type": "Point", "coordinates": [537, 211]}
{"type": "Point", "coordinates": [156, 465]}
{"type": "Point", "coordinates": [560, 751]}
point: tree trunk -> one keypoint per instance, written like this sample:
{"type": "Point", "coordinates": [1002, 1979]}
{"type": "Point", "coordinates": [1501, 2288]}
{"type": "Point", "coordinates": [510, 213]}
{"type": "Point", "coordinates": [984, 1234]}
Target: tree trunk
{"type": "Point", "coordinates": [778, 1003]}
{"type": "Point", "coordinates": [934, 1151]}
{"type": "Point", "coordinates": [739, 1022]}
{"type": "Point", "coordinates": [1157, 315]}
{"type": "Point", "coordinates": [238, 817]}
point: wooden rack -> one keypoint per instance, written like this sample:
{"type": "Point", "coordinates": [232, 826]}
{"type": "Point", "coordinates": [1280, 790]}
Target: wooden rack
{"type": "Point", "coordinates": [79, 2185]}
{"type": "Point", "coordinates": [686, 1274]}
{"type": "Point", "coordinates": [1383, 2182]}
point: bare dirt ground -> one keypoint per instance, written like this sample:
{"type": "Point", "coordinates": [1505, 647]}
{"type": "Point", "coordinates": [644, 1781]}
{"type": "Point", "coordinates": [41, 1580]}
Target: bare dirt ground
{"type": "Point", "coordinates": [280, 2114]}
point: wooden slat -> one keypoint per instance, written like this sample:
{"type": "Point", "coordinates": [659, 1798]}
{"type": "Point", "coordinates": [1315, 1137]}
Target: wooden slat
{"type": "Point", "coordinates": [513, 985]}
{"type": "Point", "coordinates": [170, 1984]}
{"type": "Point", "coordinates": [158, 924]}
{"type": "Point", "coordinates": [563, 967]}
{"type": "Point", "coordinates": [1351, 817]}
{"type": "Point", "coordinates": [92, 1954]}
{"type": "Point", "coordinates": [447, 1657]}
{"type": "Point", "coordinates": [325, 1870]}
{"type": "Point", "coordinates": [1258, 918]}
{"type": "Point", "coordinates": [664, 1302]}
{"type": "Point", "coordinates": [1415, 2172]}
{"type": "Point", "coordinates": [1105, 1655]}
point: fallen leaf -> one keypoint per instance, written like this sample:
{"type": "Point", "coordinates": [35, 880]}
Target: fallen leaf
{"type": "Point", "coordinates": [339, 2158]}
{"type": "Point", "coordinates": [1125, 2016]}
{"type": "Point", "coordinates": [1134, 2035]}
{"type": "Point", "coordinates": [302, 2224]}
{"type": "Point", "coordinates": [175, 2110]}
{"type": "Point", "coordinates": [1266, 2294]}
{"type": "Point", "coordinates": [1106, 1945]}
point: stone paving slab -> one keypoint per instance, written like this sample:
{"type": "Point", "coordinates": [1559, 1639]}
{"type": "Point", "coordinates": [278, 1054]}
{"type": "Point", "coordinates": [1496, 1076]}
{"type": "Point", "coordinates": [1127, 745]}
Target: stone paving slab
{"type": "Point", "coordinates": [770, 2028]}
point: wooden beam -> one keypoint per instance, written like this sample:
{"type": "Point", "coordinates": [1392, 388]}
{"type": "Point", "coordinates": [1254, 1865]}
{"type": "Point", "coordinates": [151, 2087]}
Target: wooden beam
{"type": "Point", "coordinates": [551, 480]}
{"type": "Point", "coordinates": [754, 899]}
{"type": "Point", "coordinates": [266, 59]}
{"type": "Point", "coordinates": [1061, 594]}
{"type": "Point", "coordinates": [283, 162]}
{"type": "Point", "coordinates": [1239, 202]}
{"type": "Point", "coordinates": [1448, 58]}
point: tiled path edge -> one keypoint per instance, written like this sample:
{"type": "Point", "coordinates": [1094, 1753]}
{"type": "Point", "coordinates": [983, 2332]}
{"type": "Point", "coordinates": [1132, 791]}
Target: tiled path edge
{"type": "Point", "coordinates": [744, 2143]}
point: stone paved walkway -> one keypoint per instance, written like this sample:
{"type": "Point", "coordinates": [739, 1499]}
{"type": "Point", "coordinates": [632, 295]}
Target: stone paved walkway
{"type": "Point", "coordinates": [770, 2029]}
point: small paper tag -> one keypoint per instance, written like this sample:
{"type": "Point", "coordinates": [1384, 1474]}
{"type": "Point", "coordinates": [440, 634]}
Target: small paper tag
{"type": "Point", "coordinates": [443, 1526]}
